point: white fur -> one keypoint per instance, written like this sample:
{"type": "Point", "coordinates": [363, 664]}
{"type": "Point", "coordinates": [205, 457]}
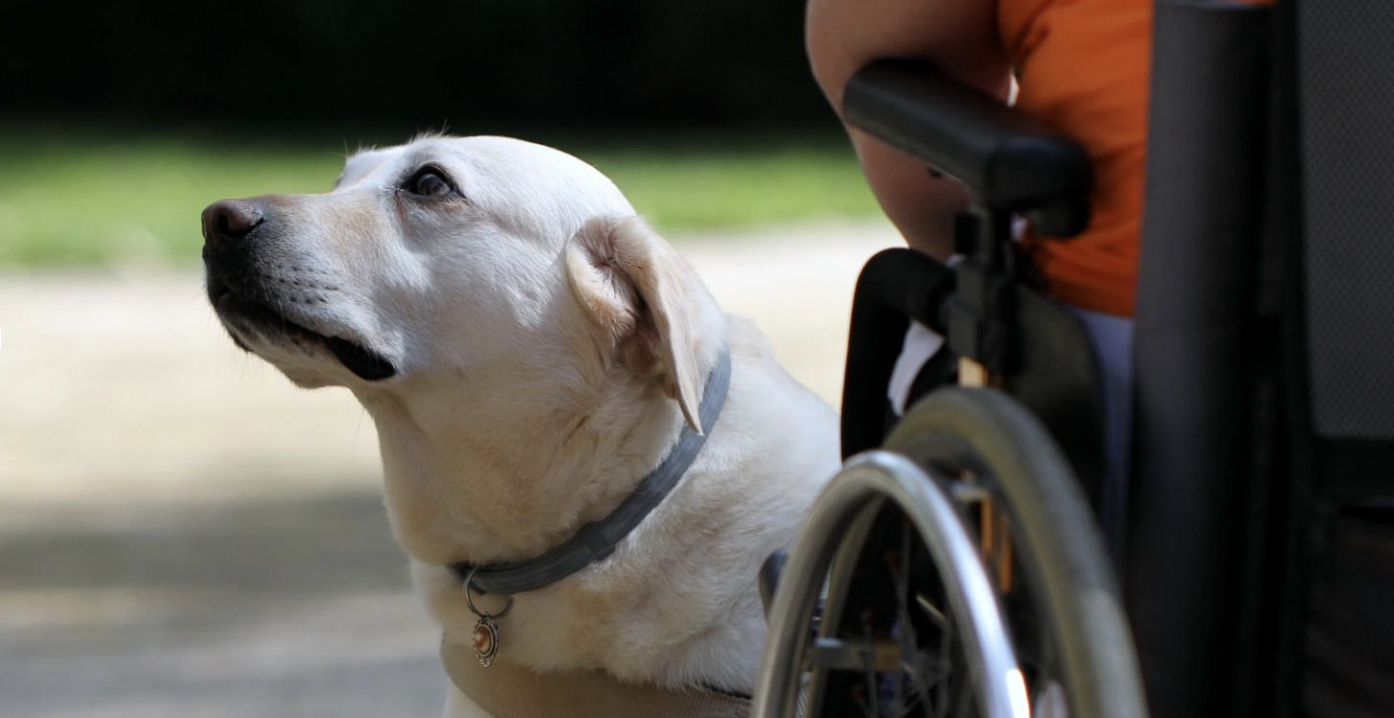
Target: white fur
{"type": "Point", "coordinates": [534, 390]}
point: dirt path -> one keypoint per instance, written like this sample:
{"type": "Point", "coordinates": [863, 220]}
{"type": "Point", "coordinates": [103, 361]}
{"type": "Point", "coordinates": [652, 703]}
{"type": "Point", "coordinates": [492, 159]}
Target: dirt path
{"type": "Point", "coordinates": [184, 533]}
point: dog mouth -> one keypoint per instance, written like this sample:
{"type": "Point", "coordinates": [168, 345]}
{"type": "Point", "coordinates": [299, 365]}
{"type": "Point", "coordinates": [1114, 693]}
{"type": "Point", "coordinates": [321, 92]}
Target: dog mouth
{"type": "Point", "coordinates": [245, 315]}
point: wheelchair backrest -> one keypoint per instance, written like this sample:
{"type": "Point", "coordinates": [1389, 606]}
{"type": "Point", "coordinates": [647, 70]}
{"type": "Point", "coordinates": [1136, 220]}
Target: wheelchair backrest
{"type": "Point", "coordinates": [1260, 538]}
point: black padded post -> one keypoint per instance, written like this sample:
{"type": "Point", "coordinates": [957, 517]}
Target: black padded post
{"type": "Point", "coordinates": [895, 286]}
{"type": "Point", "coordinates": [1195, 354]}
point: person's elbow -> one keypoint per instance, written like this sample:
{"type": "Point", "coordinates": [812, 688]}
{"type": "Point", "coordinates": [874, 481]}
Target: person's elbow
{"type": "Point", "coordinates": [831, 57]}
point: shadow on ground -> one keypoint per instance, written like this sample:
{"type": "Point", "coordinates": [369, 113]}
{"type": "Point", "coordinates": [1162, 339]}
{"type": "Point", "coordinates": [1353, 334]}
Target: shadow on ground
{"type": "Point", "coordinates": [262, 607]}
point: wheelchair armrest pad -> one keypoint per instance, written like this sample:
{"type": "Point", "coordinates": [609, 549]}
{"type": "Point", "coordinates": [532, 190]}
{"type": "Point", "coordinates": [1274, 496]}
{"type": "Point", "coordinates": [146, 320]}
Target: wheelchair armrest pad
{"type": "Point", "coordinates": [1008, 160]}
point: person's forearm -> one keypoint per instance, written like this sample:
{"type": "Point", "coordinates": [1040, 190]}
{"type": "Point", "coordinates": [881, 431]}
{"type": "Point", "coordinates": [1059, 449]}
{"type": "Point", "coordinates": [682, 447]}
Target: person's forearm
{"type": "Point", "coordinates": [960, 37]}
{"type": "Point", "coordinates": [920, 205]}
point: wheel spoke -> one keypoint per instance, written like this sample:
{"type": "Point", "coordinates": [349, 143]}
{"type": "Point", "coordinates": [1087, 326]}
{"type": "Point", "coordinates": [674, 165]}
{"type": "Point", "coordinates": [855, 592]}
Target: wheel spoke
{"type": "Point", "coordinates": [869, 669]}
{"type": "Point", "coordinates": [964, 705]}
{"type": "Point", "coordinates": [908, 640]}
{"type": "Point", "coordinates": [947, 680]}
{"type": "Point", "coordinates": [935, 615]}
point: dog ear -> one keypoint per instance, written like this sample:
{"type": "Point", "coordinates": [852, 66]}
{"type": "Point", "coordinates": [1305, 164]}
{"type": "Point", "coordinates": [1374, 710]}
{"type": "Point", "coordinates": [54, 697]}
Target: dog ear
{"type": "Point", "coordinates": [640, 295]}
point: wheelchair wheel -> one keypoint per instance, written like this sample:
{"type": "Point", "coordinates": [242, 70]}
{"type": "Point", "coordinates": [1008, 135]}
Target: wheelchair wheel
{"type": "Point", "coordinates": [962, 575]}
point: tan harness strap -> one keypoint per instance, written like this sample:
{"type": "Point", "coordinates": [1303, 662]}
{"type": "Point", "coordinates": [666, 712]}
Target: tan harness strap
{"type": "Point", "coordinates": [507, 690]}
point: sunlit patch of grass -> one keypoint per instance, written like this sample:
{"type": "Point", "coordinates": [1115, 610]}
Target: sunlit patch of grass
{"type": "Point", "coordinates": [687, 185]}
{"type": "Point", "coordinates": [84, 199]}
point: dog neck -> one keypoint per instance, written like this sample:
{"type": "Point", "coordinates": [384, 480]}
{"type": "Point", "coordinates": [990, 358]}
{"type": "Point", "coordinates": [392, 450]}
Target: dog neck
{"type": "Point", "coordinates": [501, 477]}
{"type": "Point", "coordinates": [596, 540]}
{"type": "Point", "coordinates": [740, 500]}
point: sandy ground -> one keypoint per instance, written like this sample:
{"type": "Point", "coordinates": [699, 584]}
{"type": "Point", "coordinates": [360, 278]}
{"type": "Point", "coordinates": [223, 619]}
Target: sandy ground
{"type": "Point", "coordinates": [183, 533]}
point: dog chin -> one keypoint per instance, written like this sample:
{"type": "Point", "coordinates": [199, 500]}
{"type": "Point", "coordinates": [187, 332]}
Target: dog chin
{"type": "Point", "coordinates": [307, 364]}
{"type": "Point", "coordinates": [308, 379]}
{"type": "Point", "coordinates": [281, 341]}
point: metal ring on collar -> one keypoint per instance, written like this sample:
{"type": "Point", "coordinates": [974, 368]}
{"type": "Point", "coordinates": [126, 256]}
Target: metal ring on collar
{"type": "Point", "coordinates": [469, 599]}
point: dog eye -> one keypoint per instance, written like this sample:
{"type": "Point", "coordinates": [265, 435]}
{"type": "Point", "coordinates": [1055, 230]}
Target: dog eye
{"type": "Point", "coordinates": [428, 182]}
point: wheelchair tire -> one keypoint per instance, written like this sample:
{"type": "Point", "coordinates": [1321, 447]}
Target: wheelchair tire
{"type": "Point", "coordinates": [829, 544]}
{"type": "Point", "coordinates": [1074, 611]}
{"type": "Point", "coordinates": [1056, 538]}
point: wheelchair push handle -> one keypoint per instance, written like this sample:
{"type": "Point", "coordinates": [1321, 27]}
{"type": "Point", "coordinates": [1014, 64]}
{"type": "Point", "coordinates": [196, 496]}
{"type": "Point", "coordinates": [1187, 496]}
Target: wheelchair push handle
{"type": "Point", "coordinates": [1010, 162]}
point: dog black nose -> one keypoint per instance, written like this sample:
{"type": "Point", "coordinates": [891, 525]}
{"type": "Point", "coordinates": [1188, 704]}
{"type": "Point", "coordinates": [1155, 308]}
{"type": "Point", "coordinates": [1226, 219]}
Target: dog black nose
{"type": "Point", "coordinates": [230, 220]}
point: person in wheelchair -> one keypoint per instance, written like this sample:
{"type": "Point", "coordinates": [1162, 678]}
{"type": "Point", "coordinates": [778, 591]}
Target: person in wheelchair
{"type": "Point", "coordinates": [1219, 396]}
{"type": "Point", "coordinates": [1080, 67]}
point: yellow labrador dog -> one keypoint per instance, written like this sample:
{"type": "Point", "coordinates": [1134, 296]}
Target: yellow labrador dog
{"type": "Point", "coordinates": [532, 352]}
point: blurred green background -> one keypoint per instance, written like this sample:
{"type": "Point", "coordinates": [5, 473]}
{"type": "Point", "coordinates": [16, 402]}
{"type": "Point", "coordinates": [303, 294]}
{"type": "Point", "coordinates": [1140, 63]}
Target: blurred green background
{"type": "Point", "coordinates": [119, 122]}
{"type": "Point", "coordinates": [91, 198]}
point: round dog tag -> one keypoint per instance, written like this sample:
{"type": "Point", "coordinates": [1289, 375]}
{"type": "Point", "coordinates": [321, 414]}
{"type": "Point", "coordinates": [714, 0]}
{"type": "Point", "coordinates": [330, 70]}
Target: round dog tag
{"type": "Point", "coordinates": [486, 640]}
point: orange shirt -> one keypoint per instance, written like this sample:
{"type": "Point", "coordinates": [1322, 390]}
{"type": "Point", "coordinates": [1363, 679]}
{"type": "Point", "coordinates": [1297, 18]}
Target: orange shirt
{"type": "Point", "coordinates": [1083, 68]}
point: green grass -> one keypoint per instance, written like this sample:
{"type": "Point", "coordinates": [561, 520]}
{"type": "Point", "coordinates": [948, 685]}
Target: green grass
{"type": "Point", "coordinates": [91, 199]}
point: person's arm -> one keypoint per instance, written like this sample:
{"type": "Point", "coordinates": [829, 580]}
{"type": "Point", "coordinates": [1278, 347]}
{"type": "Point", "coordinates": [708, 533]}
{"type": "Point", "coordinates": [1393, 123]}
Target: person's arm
{"type": "Point", "coordinates": [960, 37]}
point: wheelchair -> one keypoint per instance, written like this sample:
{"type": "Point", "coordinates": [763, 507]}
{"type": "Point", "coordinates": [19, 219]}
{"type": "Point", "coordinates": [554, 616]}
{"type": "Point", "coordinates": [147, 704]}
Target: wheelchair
{"type": "Point", "coordinates": [957, 565]}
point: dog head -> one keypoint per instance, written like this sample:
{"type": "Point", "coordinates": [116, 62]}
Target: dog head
{"type": "Point", "coordinates": [451, 260]}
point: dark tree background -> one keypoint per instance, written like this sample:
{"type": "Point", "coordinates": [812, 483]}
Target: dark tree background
{"type": "Point", "coordinates": [590, 65]}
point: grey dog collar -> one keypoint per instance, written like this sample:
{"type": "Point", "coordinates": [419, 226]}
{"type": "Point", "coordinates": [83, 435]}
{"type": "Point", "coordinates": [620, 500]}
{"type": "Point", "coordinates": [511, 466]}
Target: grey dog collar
{"type": "Point", "coordinates": [597, 540]}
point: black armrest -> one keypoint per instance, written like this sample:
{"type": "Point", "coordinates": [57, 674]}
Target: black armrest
{"type": "Point", "coordinates": [1009, 161]}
